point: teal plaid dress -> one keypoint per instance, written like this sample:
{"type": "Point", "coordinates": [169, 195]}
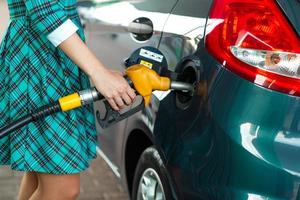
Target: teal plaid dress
{"type": "Point", "coordinates": [34, 73]}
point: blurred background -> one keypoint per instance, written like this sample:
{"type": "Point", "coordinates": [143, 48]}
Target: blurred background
{"type": "Point", "coordinates": [97, 183]}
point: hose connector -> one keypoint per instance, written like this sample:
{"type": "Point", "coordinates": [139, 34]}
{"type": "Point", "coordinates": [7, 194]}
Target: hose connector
{"type": "Point", "coordinates": [89, 95]}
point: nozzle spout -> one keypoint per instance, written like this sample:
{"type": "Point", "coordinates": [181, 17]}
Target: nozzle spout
{"type": "Point", "coordinates": [185, 87]}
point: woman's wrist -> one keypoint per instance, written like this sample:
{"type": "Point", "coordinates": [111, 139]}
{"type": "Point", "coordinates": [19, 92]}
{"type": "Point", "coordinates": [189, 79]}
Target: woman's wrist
{"type": "Point", "coordinates": [96, 69]}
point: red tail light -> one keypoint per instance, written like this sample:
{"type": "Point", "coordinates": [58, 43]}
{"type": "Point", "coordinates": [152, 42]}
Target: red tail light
{"type": "Point", "coordinates": [255, 40]}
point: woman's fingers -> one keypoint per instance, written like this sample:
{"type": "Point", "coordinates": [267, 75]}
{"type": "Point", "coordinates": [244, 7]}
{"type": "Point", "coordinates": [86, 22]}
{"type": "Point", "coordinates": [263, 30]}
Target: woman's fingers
{"type": "Point", "coordinates": [119, 101]}
{"type": "Point", "coordinates": [115, 88]}
{"type": "Point", "coordinates": [131, 94]}
{"type": "Point", "coordinates": [113, 104]}
{"type": "Point", "coordinates": [127, 99]}
{"type": "Point", "coordinates": [123, 99]}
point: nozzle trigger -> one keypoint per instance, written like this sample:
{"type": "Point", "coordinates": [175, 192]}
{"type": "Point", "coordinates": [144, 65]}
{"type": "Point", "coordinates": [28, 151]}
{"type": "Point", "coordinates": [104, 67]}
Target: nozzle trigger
{"type": "Point", "coordinates": [112, 116]}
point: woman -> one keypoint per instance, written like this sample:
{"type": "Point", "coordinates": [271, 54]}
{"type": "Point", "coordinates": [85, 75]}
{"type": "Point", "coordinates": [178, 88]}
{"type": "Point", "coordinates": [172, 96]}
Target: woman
{"type": "Point", "coordinates": [40, 56]}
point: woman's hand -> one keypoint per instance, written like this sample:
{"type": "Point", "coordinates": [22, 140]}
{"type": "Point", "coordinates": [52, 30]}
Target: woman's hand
{"type": "Point", "coordinates": [109, 83]}
{"type": "Point", "coordinates": [113, 87]}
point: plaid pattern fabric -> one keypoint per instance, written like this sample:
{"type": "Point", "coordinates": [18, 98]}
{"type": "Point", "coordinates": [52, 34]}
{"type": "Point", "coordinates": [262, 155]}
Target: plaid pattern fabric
{"type": "Point", "coordinates": [34, 73]}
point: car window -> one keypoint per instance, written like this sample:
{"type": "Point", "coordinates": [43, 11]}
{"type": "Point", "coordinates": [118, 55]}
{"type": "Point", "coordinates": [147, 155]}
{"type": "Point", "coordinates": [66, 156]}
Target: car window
{"type": "Point", "coordinates": [184, 30]}
{"type": "Point", "coordinates": [192, 8]}
{"type": "Point", "coordinates": [164, 6]}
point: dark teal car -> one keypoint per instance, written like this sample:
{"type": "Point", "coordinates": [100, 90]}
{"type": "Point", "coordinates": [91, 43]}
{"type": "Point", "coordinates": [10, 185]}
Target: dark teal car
{"type": "Point", "coordinates": [238, 136]}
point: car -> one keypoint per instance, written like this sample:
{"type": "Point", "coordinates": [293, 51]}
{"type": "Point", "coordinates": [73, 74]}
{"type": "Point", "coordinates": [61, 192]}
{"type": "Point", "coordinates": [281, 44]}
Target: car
{"type": "Point", "coordinates": [238, 135]}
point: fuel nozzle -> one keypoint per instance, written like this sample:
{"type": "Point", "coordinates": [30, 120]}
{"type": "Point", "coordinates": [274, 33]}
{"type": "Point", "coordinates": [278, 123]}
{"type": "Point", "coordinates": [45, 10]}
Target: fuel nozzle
{"type": "Point", "coordinates": [146, 80]}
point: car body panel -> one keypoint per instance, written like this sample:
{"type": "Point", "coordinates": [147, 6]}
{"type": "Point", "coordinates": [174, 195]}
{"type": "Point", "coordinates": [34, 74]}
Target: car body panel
{"type": "Point", "coordinates": [230, 143]}
{"type": "Point", "coordinates": [291, 9]}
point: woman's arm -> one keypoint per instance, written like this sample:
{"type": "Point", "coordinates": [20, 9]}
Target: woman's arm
{"type": "Point", "coordinates": [49, 19]}
{"type": "Point", "coordinates": [109, 83]}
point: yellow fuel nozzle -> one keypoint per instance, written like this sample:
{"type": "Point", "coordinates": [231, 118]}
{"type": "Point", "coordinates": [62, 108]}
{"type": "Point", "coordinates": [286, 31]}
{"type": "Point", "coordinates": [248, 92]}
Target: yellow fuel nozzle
{"type": "Point", "coordinates": [146, 80]}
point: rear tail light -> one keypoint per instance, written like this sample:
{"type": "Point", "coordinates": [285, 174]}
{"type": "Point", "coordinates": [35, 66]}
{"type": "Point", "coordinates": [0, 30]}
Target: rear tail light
{"type": "Point", "coordinates": [256, 41]}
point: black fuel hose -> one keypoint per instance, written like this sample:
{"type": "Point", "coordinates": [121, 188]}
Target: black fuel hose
{"type": "Point", "coordinates": [31, 117]}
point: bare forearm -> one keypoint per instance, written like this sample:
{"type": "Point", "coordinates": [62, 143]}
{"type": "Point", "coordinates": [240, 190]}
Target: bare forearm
{"type": "Point", "coordinates": [79, 53]}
